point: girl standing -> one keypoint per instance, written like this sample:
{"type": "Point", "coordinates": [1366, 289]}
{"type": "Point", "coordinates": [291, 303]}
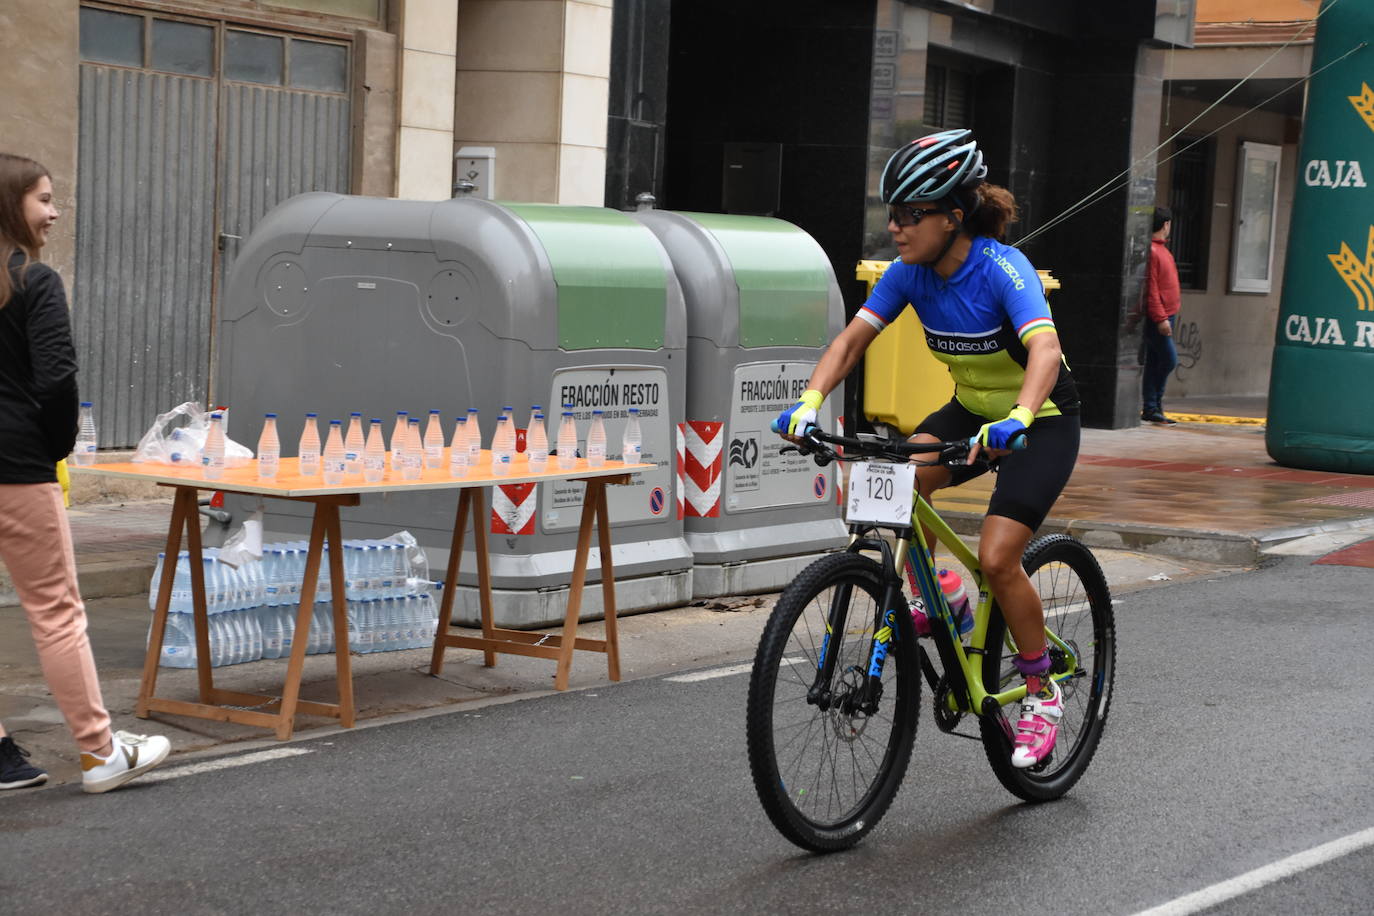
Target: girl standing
{"type": "Point", "coordinates": [38, 420]}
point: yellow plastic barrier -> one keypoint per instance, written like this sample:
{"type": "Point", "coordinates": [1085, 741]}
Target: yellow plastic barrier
{"type": "Point", "coordinates": [903, 382]}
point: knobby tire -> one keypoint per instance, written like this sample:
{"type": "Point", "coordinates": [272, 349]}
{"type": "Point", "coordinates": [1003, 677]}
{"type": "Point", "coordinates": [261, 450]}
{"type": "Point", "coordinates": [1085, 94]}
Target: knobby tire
{"type": "Point", "coordinates": [825, 777]}
{"type": "Point", "coordinates": [1078, 608]}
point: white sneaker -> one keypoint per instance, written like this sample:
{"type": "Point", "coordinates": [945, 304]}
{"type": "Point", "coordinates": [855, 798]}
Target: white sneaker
{"type": "Point", "coordinates": [133, 755]}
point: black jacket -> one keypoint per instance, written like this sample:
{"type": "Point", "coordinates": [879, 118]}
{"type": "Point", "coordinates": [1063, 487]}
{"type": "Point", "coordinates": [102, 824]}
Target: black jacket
{"type": "Point", "coordinates": [38, 399]}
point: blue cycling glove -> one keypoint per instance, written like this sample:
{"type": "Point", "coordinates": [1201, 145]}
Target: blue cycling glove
{"type": "Point", "coordinates": [1003, 433]}
{"type": "Point", "coordinates": [800, 415]}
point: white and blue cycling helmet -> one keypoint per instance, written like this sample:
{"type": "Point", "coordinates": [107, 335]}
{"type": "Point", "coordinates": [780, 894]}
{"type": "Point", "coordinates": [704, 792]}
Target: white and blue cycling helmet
{"type": "Point", "coordinates": [933, 168]}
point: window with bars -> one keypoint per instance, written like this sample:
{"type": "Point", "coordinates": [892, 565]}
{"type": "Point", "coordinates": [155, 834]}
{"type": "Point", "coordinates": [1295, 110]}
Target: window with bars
{"type": "Point", "coordinates": [1190, 199]}
{"type": "Point", "coordinates": [949, 97]}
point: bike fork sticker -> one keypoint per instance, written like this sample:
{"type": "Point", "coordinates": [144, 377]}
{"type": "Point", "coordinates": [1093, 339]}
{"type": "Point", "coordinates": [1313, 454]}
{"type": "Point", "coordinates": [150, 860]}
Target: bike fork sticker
{"type": "Point", "coordinates": [881, 640]}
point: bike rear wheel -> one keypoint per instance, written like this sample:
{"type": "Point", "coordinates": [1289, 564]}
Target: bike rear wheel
{"type": "Point", "coordinates": [1078, 609]}
{"type": "Point", "coordinates": [826, 772]}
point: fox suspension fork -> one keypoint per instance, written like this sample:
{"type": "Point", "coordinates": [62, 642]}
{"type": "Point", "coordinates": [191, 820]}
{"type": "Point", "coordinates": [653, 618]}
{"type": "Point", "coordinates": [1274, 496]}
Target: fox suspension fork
{"type": "Point", "coordinates": [861, 687]}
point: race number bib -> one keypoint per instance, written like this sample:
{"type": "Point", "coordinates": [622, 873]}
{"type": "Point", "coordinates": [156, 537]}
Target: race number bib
{"type": "Point", "coordinates": [881, 493]}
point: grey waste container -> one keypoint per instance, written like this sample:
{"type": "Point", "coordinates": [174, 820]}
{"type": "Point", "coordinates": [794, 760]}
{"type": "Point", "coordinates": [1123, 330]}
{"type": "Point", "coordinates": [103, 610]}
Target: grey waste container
{"type": "Point", "coordinates": [762, 304]}
{"type": "Point", "coordinates": [340, 303]}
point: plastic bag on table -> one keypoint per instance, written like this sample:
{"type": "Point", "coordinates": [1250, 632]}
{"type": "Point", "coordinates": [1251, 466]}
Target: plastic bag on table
{"type": "Point", "coordinates": [178, 436]}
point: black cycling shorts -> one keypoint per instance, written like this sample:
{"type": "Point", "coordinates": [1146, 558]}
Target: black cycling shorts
{"type": "Point", "coordinates": [1028, 481]}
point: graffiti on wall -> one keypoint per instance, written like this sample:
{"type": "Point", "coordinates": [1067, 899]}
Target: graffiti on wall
{"type": "Point", "coordinates": [1188, 343]}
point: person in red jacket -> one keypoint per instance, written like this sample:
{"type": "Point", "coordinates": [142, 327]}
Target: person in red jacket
{"type": "Point", "coordinates": [38, 412]}
{"type": "Point", "coordinates": [1161, 316]}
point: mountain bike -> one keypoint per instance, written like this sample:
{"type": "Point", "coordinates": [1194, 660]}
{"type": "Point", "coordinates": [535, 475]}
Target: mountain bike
{"type": "Point", "coordinates": [834, 697]}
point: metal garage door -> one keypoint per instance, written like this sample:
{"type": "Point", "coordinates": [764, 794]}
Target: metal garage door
{"type": "Point", "coordinates": [190, 131]}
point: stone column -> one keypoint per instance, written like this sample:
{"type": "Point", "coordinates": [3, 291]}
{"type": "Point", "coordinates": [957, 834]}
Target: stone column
{"type": "Point", "coordinates": [374, 113]}
{"type": "Point", "coordinates": [534, 83]}
{"type": "Point", "coordinates": [424, 138]}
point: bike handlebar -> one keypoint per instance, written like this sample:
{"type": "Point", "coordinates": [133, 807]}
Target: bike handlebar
{"type": "Point", "coordinates": [954, 452]}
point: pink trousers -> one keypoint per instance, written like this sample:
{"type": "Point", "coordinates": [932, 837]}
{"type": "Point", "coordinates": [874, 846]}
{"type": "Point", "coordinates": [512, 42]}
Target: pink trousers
{"type": "Point", "coordinates": [36, 546]}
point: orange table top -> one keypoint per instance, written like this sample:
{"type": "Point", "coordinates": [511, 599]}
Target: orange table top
{"type": "Point", "coordinates": [289, 482]}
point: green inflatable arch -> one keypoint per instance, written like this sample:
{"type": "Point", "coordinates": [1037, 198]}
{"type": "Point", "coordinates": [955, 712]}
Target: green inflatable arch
{"type": "Point", "coordinates": [1321, 388]}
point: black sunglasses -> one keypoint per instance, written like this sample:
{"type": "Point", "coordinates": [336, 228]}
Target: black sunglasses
{"type": "Point", "coordinates": [903, 215]}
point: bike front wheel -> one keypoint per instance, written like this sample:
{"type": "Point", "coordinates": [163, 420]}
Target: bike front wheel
{"type": "Point", "coordinates": [1078, 611]}
{"type": "Point", "coordinates": [825, 769]}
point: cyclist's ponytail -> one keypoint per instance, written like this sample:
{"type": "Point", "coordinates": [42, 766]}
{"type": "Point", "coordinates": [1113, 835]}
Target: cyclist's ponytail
{"type": "Point", "coordinates": [996, 211]}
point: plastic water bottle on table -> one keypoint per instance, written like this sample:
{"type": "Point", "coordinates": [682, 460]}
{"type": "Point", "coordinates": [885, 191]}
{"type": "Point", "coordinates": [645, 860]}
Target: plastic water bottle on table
{"type": "Point", "coordinates": [632, 444]}
{"type": "Point", "coordinates": [537, 444]}
{"type": "Point", "coordinates": [434, 440]}
{"type": "Point", "coordinates": [269, 448]}
{"type": "Point", "coordinates": [335, 460]}
{"type": "Point", "coordinates": [474, 438]}
{"type": "Point", "coordinates": [353, 445]}
{"type": "Point", "coordinates": [212, 457]}
{"type": "Point", "coordinates": [83, 453]}
{"type": "Point", "coordinates": [596, 440]}
{"type": "Point", "coordinates": [374, 453]}
{"type": "Point", "coordinates": [567, 442]}
{"type": "Point", "coordinates": [458, 449]}
{"type": "Point", "coordinates": [413, 462]}
{"type": "Point", "coordinates": [398, 441]}
{"type": "Point", "coordinates": [309, 448]}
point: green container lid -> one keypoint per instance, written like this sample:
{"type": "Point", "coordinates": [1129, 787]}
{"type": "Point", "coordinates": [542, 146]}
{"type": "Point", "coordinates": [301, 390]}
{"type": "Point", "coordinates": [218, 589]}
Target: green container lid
{"type": "Point", "coordinates": [612, 283]}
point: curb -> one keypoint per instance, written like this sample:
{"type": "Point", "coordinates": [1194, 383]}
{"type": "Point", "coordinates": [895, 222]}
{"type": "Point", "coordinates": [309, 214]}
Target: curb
{"type": "Point", "coordinates": [1218, 547]}
{"type": "Point", "coordinates": [1218, 418]}
{"type": "Point", "coordinates": [98, 579]}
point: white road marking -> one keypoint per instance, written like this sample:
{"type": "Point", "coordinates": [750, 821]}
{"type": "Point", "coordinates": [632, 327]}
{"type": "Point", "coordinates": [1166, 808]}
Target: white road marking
{"type": "Point", "coordinates": [1253, 880]}
{"type": "Point", "coordinates": [223, 763]}
{"type": "Point", "coordinates": [710, 673]}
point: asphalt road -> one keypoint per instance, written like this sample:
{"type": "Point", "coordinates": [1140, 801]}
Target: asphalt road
{"type": "Point", "coordinates": [1239, 735]}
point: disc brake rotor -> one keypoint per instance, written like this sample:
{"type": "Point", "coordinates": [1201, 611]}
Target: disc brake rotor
{"type": "Point", "coordinates": [848, 726]}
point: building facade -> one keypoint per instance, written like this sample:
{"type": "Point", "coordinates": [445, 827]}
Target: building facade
{"type": "Point", "coordinates": [1228, 168]}
{"type": "Point", "coordinates": [171, 126]}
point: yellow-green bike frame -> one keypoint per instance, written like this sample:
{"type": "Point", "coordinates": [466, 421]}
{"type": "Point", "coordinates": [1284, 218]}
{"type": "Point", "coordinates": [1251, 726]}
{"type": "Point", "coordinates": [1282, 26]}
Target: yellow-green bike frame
{"type": "Point", "coordinates": [968, 693]}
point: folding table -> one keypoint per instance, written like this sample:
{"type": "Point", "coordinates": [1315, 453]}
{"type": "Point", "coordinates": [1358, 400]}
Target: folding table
{"type": "Point", "coordinates": [279, 713]}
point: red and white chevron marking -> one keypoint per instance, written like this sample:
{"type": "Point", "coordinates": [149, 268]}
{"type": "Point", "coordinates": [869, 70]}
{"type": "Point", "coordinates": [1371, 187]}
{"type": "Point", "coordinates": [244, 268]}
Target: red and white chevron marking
{"type": "Point", "coordinates": [512, 508]}
{"type": "Point", "coordinates": [681, 463]}
{"type": "Point", "coordinates": [704, 439]}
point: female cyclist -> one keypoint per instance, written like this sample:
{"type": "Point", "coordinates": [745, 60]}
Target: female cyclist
{"type": "Point", "coordinates": [985, 316]}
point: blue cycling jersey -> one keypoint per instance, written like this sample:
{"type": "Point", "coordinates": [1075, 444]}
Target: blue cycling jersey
{"type": "Point", "coordinates": [977, 323]}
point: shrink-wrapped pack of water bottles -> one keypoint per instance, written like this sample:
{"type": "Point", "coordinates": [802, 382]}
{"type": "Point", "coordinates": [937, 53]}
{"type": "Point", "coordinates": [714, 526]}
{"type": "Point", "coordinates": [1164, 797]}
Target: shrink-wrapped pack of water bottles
{"type": "Point", "coordinates": [253, 606]}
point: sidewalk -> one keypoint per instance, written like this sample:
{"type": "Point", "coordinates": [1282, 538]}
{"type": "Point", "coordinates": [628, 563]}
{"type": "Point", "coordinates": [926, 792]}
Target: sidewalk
{"type": "Point", "coordinates": [1156, 503]}
{"type": "Point", "coordinates": [1200, 490]}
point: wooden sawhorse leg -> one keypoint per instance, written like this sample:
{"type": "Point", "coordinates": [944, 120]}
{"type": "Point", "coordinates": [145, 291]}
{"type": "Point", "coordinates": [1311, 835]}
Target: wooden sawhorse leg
{"type": "Point", "coordinates": [593, 509]}
{"type": "Point", "coordinates": [470, 503]}
{"type": "Point", "coordinates": [520, 642]}
{"type": "Point", "coordinates": [183, 501]}
{"type": "Point", "coordinates": [215, 702]}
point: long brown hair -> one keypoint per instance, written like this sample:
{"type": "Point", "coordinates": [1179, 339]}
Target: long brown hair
{"type": "Point", "coordinates": [18, 175]}
{"type": "Point", "coordinates": [996, 211]}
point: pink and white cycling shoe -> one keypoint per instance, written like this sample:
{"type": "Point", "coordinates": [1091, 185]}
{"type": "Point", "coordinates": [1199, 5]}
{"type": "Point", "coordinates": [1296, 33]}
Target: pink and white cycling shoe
{"type": "Point", "coordinates": [1037, 728]}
